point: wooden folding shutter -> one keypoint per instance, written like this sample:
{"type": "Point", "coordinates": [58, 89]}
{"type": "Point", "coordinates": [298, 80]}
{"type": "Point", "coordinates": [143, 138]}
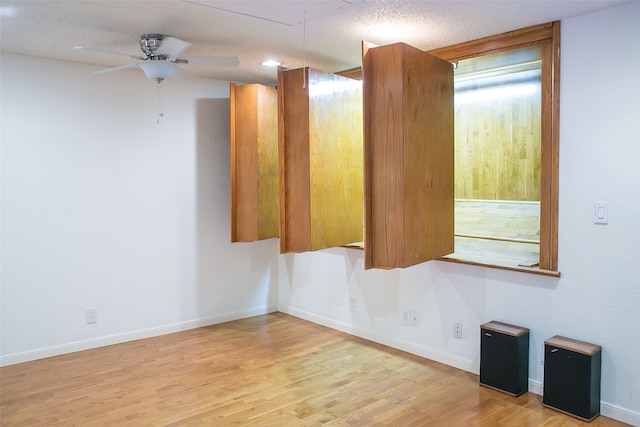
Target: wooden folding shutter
{"type": "Point", "coordinates": [408, 156]}
{"type": "Point", "coordinates": [320, 150]}
{"type": "Point", "coordinates": [254, 163]}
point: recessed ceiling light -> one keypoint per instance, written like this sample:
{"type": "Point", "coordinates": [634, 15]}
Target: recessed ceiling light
{"type": "Point", "coordinates": [391, 32]}
{"type": "Point", "coordinates": [271, 63]}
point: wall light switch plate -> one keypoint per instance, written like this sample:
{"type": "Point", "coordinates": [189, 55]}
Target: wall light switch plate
{"type": "Point", "coordinates": [601, 213]}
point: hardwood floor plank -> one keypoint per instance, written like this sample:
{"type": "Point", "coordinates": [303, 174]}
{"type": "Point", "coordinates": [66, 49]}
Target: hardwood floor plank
{"type": "Point", "coordinates": [270, 370]}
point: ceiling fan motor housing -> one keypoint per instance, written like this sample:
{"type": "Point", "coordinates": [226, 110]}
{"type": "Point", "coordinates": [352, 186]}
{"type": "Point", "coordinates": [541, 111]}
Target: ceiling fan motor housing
{"type": "Point", "coordinates": [149, 43]}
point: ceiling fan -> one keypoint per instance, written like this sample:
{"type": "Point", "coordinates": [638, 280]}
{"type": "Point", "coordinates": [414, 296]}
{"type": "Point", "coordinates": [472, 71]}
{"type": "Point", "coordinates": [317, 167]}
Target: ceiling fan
{"type": "Point", "coordinates": [161, 57]}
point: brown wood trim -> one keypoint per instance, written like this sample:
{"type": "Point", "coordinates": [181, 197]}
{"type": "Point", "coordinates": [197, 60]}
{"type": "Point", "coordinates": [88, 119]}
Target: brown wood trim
{"type": "Point", "coordinates": [494, 44]}
{"type": "Point", "coordinates": [282, 167]}
{"type": "Point", "coordinates": [505, 328]}
{"type": "Point", "coordinates": [366, 116]}
{"type": "Point", "coordinates": [483, 46]}
{"type": "Point", "coordinates": [573, 345]}
{"type": "Point", "coordinates": [531, 270]}
{"type": "Point", "coordinates": [497, 238]}
{"type": "Point", "coordinates": [352, 73]}
{"type": "Point", "coordinates": [232, 142]}
{"type": "Point", "coordinates": [546, 133]}
{"type": "Point", "coordinates": [555, 152]}
{"type": "Point", "coordinates": [550, 151]}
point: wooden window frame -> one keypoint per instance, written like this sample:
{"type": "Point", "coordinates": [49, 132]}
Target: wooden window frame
{"type": "Point", "coordinates": [548, 37]}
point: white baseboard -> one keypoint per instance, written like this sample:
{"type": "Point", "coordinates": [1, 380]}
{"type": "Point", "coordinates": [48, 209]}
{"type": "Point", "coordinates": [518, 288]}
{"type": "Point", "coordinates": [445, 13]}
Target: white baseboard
{"type": "Point", "coordinates": [620, 414]}
{"type": "Point", "coordinates": [72, 347]}
{"type": "Point", "coordinates": [426, 352]}
{"type": "Point", "coordinates": [535, 387]}
{"type": "Point", "coordinates": [606, 409]}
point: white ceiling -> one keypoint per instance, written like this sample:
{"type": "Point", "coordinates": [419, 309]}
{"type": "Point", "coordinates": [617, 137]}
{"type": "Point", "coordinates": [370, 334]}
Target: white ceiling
{"type": "Point", "coordinates": [262, 29]}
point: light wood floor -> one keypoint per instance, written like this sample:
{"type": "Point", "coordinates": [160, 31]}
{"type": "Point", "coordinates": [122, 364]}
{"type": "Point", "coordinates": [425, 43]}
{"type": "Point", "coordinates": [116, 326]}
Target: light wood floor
{"type": "Point", "coordinates": [271, 370]}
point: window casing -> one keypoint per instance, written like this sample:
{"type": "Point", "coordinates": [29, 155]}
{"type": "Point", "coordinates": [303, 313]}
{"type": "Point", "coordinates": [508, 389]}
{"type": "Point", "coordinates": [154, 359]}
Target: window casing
{"type": "Point", "coordinates": [547, 37]}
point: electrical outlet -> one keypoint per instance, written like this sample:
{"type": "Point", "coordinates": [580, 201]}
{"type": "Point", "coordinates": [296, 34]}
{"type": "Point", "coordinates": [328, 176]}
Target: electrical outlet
{"type": "Point", "coordinates": [353, 304]}
{"type": "Point", "coordinates": [457, 330]}
{"type": "Point", "coordinates": [415, 318]}
{"type": "Point", "coordinates": [91, 315]}
{"type": "Point", "coordinates": [406, 317]}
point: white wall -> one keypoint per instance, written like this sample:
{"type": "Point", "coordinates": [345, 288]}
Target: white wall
{"type": "Point", "coordinates": [103, 207]}
{"type": "Point", "coordinates": [597, 298]}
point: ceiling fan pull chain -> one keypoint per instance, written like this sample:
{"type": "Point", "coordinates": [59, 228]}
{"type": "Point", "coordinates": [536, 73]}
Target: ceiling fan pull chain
{"type": "Point", "coordinates": [160, 113]}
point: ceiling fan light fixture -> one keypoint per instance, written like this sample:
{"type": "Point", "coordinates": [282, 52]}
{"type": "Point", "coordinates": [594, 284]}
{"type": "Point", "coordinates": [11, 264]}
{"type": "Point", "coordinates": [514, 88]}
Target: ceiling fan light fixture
{"type": "Point", "coordinates": [157, 70]}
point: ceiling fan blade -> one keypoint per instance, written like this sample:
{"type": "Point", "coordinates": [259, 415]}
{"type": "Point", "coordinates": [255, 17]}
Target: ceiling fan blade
{"type": "Point", "coordinates": [122, 67]}
{"type": "Point", "coordinates": [111, 52]}
{"type": "Point", "coordinates": [213, 61]}
{"type": "Point", "coordinates": [172, 46]}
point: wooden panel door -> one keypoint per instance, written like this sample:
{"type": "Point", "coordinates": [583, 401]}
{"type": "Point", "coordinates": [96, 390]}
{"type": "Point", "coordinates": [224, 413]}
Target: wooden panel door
{"type": "Point", "coordinates": [408, 156]}
{"type": "Point", "coordinates": [321, 161]}
{"type": "Point", "coordinates": [254, 163]}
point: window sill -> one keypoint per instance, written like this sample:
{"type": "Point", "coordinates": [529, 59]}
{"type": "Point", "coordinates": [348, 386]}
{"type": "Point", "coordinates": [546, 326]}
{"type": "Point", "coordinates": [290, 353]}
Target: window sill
{"type": "Point", "coordinates": [482, 261]}
{"type": "Point", "coordinates": [355, 245]}
{"type": "Point", "coordinates": [496, 262]}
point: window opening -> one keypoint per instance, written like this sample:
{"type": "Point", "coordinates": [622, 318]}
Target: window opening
{"type": "Point", "coordinates": [498, 155]}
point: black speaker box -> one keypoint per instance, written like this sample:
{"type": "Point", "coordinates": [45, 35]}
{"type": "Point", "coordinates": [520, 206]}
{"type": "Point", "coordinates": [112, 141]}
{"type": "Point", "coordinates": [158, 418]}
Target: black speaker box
{"type": "Point", "coordinates": [572, 377]}
{"type": "Point", "coordinates": [504, 357]}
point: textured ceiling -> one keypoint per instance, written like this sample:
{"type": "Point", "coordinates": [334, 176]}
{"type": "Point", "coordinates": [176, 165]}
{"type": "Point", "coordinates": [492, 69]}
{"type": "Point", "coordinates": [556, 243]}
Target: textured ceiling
{"type": "Point", "coordinates": [329, 38]}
